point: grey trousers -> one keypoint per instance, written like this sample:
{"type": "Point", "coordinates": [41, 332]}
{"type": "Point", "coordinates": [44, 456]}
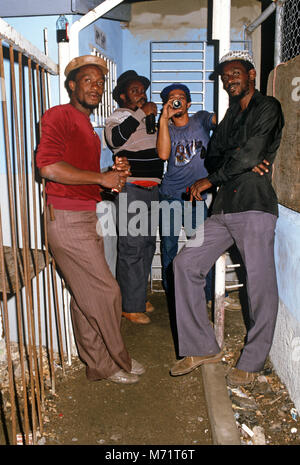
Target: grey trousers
{"type": "Point", "coordinates": [96, 305]}
{"type": "Point", "coordinates": [135, 251]}
{"type": "Point", "coordinates": [253, 234]}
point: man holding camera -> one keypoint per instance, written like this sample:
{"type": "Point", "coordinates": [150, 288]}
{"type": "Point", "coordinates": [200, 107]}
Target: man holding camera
{"type": "Point", "coordinates": [128, 135]}
{"type": "Point", "coordinates": [182, 140]}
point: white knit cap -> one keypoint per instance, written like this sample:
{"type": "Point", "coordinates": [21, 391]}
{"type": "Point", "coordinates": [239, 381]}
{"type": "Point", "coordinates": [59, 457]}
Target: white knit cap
{"type": "Point", "coordinates": [243, 55]}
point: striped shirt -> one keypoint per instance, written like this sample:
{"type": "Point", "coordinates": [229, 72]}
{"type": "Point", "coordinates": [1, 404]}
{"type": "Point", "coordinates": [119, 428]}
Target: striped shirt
{"type": "Point", "coordinates": [125, 134]}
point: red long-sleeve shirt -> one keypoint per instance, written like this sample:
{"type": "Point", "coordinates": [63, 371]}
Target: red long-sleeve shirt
{"type": "Point", "coordinates": [68, 135]}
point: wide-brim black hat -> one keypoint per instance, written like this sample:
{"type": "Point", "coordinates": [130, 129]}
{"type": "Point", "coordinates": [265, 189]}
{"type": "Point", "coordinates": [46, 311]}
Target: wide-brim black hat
{"type": "Point", "coordinates": [123, 80]}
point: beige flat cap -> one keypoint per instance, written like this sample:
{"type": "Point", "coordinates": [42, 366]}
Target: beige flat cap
{"type": "Point", "coordinates": [85, 60]}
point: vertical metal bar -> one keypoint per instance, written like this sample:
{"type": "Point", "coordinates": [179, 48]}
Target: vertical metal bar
{"type": "Point", "coordinates": [66, 317]}
{"type": "Point", "coordinates": [204, 76]}
{"type": "Point", "coordinates": [14, 251]}
{"type": "Point", "coordinates": [114, 82]}
{"type": "Point", "coordinates": [58, 315]}
{"type": "Point", "coordinates": [3, 272]}
{"type": "Point", "coordinates": [47, 74]}
{"type": "Point", "coordinates": [33, 185]}
{"type": "Point", "coordinates": [1, 324]}
{"type": "Point", "coordinates": [25, 257]}
{"type": "Point", "coordinates": [51, 366]}
{"type": "Point", "coordinates": [54, 280]}
{"type": "Point", "coordinates": [7, 339]}
{"type": "Point", "coordinates": [104, 97]}
{"type": "Point", "coordinates": [26, 254]}
{"type": "Point", "coordinates": [53, 261]}
{"type": "Point", "coordinates": [219, 312]}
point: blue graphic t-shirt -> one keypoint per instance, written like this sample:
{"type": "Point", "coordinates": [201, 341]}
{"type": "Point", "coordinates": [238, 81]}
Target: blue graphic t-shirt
{"type": "Point", "coordinates": [188, 148]}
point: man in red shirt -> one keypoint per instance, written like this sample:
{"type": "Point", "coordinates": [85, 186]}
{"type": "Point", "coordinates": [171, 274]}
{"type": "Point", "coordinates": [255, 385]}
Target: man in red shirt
{"type": "Point", "coordinates": [69, 158]}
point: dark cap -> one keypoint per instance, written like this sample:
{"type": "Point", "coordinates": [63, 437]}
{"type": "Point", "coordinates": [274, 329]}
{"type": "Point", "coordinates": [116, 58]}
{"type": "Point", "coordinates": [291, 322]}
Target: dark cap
{"type": "Point", "coordinates": [166, 91]}
{"type": "Point", "coordinates": [124, 79]}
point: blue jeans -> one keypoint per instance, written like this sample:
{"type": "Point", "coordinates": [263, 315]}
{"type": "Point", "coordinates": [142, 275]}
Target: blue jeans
{"type": "Point", "coordinates": [185, 214]}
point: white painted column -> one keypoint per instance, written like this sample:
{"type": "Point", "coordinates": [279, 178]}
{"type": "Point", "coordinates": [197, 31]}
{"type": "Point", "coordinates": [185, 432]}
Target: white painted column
{"type": "Point", "coordinates": [63, 60]}
{"type": "Point", "coordinates": [278, 35]}
{"type": "Point", "coordinates": [85, 21]}
{"type": "Point", "coordinates": [69, 50]}
{"type": "Point", "coordinates": [221, 32]}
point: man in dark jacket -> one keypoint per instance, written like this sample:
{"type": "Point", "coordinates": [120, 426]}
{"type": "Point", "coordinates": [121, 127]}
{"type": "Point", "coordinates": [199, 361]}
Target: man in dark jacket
{"type": "Point", "coordinates": [245, 211]}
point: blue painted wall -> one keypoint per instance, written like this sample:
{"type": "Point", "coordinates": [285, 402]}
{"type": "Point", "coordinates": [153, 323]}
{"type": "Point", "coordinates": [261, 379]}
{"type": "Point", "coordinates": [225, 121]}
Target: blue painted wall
{"type": "Point", "coordinates": [287, 255]}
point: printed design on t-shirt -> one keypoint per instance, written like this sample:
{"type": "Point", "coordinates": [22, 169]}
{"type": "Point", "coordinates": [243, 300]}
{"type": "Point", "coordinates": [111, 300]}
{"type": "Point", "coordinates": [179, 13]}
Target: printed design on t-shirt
{"type": "Point", "coordinates": [185, 153]}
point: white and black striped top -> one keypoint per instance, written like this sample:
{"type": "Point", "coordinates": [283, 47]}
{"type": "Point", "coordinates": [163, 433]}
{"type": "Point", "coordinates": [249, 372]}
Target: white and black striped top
{"type": "Point", "coordinates": [125, 134]}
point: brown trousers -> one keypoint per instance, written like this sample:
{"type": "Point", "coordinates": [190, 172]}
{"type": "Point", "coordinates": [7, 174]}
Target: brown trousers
{"type": "Point", "coordinates": [96, 305]}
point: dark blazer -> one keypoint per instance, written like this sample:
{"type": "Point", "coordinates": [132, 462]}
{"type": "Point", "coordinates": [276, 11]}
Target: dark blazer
{"type": "Point", "coordinates": [241, 141]}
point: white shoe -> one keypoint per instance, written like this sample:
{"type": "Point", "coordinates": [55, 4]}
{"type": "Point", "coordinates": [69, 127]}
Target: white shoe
{"type": "Point", "coordinates": [232, 304]}
{"type": "Point", "coordinates": [229, 303]}
{"type": "Point", "coordinates": [123, 377]}
{"type": "Point", "coordinates": [136, 368]}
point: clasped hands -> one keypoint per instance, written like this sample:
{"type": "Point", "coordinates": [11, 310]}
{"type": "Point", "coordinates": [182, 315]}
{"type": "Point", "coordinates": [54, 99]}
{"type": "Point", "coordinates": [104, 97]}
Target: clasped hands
{"type": "Point", "coordinates": [121, 169]}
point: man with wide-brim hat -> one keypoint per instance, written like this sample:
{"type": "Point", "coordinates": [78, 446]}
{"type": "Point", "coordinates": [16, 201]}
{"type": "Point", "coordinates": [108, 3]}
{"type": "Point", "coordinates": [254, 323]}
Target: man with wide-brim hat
{"type": "Point", "coordinates": [126, 135]}
{"type": "Point", "coordinates": [244, 212]}
{"type": "Point", "coordinates": [86, 60]}
{"type": "Point", "coordinates": [122, 82]}
{"type": "Point", "coordinates": [68, 157]}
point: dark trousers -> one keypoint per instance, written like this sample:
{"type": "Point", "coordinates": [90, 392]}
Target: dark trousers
{"type": "Point", "coordinates": [253, 234]}
{"type": "Point", "coordinates": [96, 305]}
{"type": "Point", "coordinates": [137, 229]}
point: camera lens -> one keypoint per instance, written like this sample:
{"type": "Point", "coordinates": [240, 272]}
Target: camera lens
{"type": "Point", "coordinates": [176, 104]}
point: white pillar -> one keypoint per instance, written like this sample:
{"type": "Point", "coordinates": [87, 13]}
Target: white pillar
{"type": "Point", "coordinates": [278, 35]}
{"type": "Point", "coordinates": [63, 60]}
{"type": "Point", "coordinates": [85, 21]}
{"type": "Point", "coordinates": [221, 32]}
{"type": "Point", "coordinates": [69, 50]}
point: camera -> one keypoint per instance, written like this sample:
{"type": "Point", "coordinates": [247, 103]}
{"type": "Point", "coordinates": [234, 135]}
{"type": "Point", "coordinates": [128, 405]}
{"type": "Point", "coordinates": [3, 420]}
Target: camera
{"type": "Point", "coordinates": [176, 104]}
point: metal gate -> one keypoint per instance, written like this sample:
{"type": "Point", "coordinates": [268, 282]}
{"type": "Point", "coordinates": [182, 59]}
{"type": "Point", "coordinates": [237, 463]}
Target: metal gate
{"type": "Point", "coordinates": [189, 63]}
{"type": "Point", "coordinates": [30, 292]}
